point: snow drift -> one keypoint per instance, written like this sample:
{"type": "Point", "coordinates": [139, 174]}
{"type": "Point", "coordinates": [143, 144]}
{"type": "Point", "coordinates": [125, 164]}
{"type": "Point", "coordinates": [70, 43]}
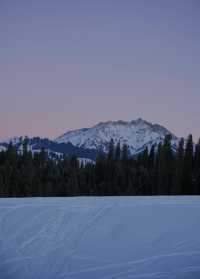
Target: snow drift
{"type": "Point", "coordinates": [115, 237]}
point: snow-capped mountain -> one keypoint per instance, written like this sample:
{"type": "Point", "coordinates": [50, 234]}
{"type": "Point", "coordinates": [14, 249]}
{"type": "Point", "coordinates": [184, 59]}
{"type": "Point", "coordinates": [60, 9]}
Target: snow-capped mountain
{"type": "Point", "coordinates": [87, 142]}
{"type": "Point", "coordinates": [137, 134]}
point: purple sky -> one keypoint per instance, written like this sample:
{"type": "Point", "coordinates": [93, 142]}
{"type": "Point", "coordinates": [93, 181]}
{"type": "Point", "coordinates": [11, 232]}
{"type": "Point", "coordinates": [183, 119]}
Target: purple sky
{"type": "Point", "coordinates": [70, 64]}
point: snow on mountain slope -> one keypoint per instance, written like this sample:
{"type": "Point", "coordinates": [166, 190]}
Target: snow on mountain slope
{"type": "Point", "coordinates": [101, 238]}
{"type": "Point", "coordinates": [137, 134]}
{"type": "Point", "coordinates": [54, 150]}
{"type": "Point", "coordinates": [13, 140]}
{"type": "Point", "coordinates": [2, 148]}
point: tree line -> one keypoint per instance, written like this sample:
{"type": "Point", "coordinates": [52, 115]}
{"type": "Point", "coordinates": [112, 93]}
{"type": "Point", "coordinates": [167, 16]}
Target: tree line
{"type": "Point", "coordinates": [158, 171]}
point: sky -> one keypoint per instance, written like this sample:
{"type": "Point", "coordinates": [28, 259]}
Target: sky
{"type": "Point", "coordinates": [70, 64]}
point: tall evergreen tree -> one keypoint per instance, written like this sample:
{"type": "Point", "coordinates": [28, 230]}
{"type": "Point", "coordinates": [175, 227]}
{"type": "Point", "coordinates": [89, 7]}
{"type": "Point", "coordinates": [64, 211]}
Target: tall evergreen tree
{"type": "Point", "coordinates": [25, 146]}
{"type": "Point", "coordinates": [124, 153]}
{"type": "Point", "coordinates": [111, 150]}
{"type": "Point", "coordinates": [144, 158]}
{"type": "Point", "coordinates": [188, 167]}
{"type": "Point", "coordinates": [152, 170]}
{"type": "Point", "coordinates": [197, 169]}
{"type": "Point", "coordinates": [151, 158]}
{"type": "Point", "coordinates": [197, 156]}
{"type": "Point", "coordinates": [178, 168]}
{"type": "Point", "coordinates": [118, 152]}
{"type": "Point", "coordinates": [166, 167]}
{"type": "Point", "coordinates": [158, 170]}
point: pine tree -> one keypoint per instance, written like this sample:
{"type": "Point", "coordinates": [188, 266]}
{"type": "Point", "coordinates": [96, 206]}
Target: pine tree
{"type": "Point", "coordinates": [158, 171]}
{"type": "Point", "coordinates": [151, 158]}
{"type": "Point", "coordinates": [100, 169]}
{"type": "Point", "coordinates": [111, 150]}
{"type": "Point", "coordinates": [25, 146]}
{"type": "Point", "coordinates": [165, 175]}
{"type": "Point", "coordinates": [152, 170]}
{"type": "Point", "coordinates": [197, 169]}
{"type": "Point", "coordinates": [197, 156]}
{"type": "Point", "coordinates": [124, 153]}
{"type": "Point", "coordinates": [144, 158]}
{"type": "Point", "coordinates": [188, 167]}
{"type": "Point", "coordinates": [118, 152]}
{"type": "Point", "coordinates": [178, 171]}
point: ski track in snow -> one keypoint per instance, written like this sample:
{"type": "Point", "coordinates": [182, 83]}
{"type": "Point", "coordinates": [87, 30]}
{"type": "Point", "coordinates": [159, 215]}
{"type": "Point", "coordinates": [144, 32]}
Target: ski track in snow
{"type": "Point", "coordinates": [100, 238]}
{"type": "Point", "coordinates": [130, 263]}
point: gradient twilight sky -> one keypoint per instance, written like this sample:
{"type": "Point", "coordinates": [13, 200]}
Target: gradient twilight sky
{"type": "Point", "coordinates": [69, 64]}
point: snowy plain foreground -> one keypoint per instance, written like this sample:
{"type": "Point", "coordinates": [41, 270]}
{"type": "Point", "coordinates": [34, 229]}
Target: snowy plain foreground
{"type": "Point", "coordinates": [93, 238]}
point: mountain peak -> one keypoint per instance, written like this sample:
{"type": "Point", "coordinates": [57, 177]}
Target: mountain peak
{"type": "Point", "coordinates": [137, 134]}
{"type": "Point", "coordinates": [138, 121]}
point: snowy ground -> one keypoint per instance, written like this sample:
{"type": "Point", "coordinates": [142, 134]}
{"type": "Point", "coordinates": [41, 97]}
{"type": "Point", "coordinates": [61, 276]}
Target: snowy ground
{"type": "Point", "coordinates": [93, 238]}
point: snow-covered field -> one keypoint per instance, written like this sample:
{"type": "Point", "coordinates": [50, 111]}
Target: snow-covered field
{"type": "Point", "coordinates": [93, 238]}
